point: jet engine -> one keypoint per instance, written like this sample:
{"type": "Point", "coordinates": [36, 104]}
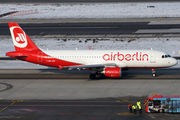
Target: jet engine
{"type": "Point", "coordinates": [113, 72]}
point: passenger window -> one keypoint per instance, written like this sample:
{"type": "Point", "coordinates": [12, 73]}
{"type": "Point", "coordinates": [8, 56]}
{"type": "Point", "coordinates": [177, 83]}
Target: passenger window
{"type": "Point", "coordinates": [157, 103]}
{"type": "Point", "coordinates": [150, 103]}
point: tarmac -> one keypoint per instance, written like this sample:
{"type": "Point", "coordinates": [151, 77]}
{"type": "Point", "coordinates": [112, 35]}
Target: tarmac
{"type": "Point", "coordinates": [45, 84]}
{"type": "Point", "coordinates": [103, 28]}
{"type": "Point", "coordinates": [106, 109]}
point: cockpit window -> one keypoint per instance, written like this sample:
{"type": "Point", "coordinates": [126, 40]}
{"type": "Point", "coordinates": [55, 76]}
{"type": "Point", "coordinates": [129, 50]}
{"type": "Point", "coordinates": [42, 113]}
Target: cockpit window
{"type": "Point", "coordinates": [169, 56]}
{"type": "Point", "coordinates": [165, 56]}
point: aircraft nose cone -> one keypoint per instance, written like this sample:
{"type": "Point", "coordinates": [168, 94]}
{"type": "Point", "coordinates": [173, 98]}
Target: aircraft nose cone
{"type": "Point", "coordinates": [175, 62]}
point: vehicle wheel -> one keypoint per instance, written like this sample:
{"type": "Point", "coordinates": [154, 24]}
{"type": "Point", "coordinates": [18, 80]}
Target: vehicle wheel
{"type": "Point", "coordinates": [92, 76]}
{"type": "Point", "coordinates": [163, 111]}
{"type": "Point", "coordinates": [154, 74]}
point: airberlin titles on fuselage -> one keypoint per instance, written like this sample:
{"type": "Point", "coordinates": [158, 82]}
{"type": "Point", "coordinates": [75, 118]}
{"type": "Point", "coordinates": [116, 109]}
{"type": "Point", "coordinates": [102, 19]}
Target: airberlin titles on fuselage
{"type": "Point", "coordinates": [138, 56]}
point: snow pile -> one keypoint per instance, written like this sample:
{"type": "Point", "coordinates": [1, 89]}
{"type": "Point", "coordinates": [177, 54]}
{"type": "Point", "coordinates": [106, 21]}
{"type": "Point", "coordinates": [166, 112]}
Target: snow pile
{"type": "Point", "coordinates": [93, 10]}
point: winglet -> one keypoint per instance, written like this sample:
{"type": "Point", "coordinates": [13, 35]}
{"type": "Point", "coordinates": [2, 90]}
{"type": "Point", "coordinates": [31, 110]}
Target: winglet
{"type": "Point", "coordinates": [89, 48]}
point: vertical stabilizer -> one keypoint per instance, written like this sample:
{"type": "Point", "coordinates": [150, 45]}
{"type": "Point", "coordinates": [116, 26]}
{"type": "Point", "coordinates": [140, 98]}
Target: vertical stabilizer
{"type": "Point", "coordinates": [20, 39]}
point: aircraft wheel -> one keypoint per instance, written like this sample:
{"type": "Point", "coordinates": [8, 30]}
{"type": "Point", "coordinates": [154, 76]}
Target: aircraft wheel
{"type": "Point", "coordinates": [161, 111]}
{"type": "Point", "coordinates": [154, 74]}
{"type": "Point", "coordinates": [92, 76]}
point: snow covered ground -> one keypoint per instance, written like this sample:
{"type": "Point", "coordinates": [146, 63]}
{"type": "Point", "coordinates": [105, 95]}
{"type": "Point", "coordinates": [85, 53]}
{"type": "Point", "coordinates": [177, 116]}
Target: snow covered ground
{"type": "Point", "coordinates": [168, 45]}
{"type": "Point", "coordinates": [92, 10]}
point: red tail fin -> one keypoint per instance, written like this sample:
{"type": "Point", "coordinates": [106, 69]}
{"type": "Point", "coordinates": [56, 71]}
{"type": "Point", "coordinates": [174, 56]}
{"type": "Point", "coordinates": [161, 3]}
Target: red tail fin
{"type": "Point", "coordinates": [20, 39]}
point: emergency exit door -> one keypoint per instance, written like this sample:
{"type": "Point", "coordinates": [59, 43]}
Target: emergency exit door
{"type": "Point", "coordinates": [40, 57]}
{"type": "Point", "coordinates": [153, 57]}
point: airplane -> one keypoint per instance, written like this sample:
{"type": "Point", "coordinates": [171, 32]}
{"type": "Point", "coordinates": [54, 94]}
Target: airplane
{"type": "Point", "coordinates": [107, 62]}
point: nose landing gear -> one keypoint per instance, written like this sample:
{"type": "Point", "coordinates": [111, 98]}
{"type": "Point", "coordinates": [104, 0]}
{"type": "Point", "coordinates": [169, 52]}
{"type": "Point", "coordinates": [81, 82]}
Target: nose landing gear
{"type": "Point", "coordinates": [153, 72]}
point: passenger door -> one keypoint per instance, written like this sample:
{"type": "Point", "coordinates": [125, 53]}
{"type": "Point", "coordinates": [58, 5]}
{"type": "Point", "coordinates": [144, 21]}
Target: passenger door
{"type": "Point", "coordinates": [178, 105]}
{"type": "Point", "coordinates": [171, 106]}
{"type": "Point", "coordinates": [153, 57]}
{"type": "Point", "coordinates": [40, 57]}
{"type": "Point", "coordinates": [174, 106]}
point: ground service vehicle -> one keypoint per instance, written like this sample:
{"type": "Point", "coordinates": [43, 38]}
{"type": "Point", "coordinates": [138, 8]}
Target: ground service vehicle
{"type": "Point", "coordinates": [164, 104]}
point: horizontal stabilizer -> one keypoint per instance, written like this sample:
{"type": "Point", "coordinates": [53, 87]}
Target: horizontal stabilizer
{"type": "Point", "coordinates": [18, 56]}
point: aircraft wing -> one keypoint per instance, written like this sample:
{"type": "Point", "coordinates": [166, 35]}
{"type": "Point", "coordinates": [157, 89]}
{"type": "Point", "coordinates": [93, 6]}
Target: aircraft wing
{"type": "Point", "coordinates": [90, 66]}
{"type": "Point", "coordinates": [22, 57]}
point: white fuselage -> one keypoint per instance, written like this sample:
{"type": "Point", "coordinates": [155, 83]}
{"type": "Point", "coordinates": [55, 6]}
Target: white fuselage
{"type": "Point", "coordinates": [122, 58]}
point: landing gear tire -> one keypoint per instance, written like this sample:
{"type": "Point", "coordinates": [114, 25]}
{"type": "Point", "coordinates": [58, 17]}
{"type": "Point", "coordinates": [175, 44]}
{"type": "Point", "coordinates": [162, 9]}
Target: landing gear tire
{"type": "Point", "coordinates": [161, 111]}
{"type": "Point", "coordinates": [92, 76]}
{"type": "Point", "coordinates": [154, 74]}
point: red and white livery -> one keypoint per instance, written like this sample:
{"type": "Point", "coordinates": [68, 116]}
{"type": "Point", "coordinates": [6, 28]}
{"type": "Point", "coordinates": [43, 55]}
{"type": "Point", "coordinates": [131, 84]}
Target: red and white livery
{"type": "Point", "coordinates": [107, 62]}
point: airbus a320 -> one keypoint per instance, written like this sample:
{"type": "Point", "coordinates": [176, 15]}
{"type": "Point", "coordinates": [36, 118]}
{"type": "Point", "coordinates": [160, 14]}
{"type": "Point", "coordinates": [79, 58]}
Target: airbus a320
{"type": "Point", "coordinates": [107, 62]}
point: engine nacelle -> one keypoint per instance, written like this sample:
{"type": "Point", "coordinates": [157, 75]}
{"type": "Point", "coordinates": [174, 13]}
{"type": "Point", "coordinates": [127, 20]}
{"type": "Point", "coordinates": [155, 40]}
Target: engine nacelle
{"type": "Point", "coordinates": [113, 72]}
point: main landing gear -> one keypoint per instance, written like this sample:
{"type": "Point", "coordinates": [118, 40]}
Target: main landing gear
{"type": "Point", "coordinates": [153, 72]}
{"type": "Point", "coordinates": [92, 76]}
